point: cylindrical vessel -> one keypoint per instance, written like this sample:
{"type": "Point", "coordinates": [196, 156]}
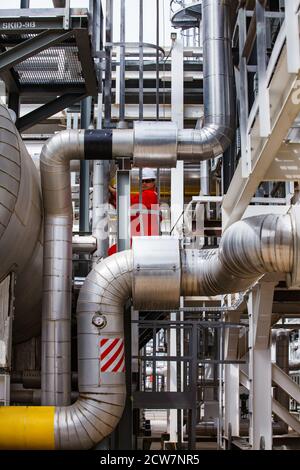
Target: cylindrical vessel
{"type": "Point", "coordinates": [20, 227]}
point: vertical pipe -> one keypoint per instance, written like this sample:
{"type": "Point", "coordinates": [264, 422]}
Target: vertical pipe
{"type": "Point", "coordinates": [157, 60]}
{"type": "Point", "coordinates": [141, 59]}
{"type": "Point", "coordinates": [84, 225]}
{"type": "Point", "coordinates": [122, 62]}
{"type": "Point", "coordinates": [123, 209]}
{"type": "Point", "coordinates": [154, 382]}
{"type": "Point", "coordinates": [100, 167]}
{"type": "Point", "coordinates": [141, 219]}
{"type": "Point", "coordinates": [24, 3]}
{"type": "Point", "coordinates": [158, 197]}
{"type": "Point", "coordinates": [108, 48]}
{"type": "Point", "coordinates": [100, 208]}
{"type": "Point", "coordinates": [204, 177]}
{"type": "Point", "coordinates": [14, 103]}
{"type": "Point", "coordinates": [193, 387]}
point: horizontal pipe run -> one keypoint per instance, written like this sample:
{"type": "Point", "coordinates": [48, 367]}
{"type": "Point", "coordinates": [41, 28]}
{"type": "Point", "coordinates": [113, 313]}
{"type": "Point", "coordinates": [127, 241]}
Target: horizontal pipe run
{"type": "Point", "coordinates": [248, 249]}
{"type": "Point", "coordinates": [27, 427]}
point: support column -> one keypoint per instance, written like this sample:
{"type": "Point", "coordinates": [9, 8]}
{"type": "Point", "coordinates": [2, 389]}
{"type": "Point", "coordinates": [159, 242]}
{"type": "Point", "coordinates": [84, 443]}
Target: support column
{"type": "Point", "coordinates": [123, 209]}
{"type": "Point", "coordinates": [6, 316]}
{"type": "Point", "coordinates": [177, 201]}
{"type": "Point", "coordinates": [232, 400]}
{"type": "Point", "coordinates": [177, 177]}
{"type": "Point", "coordinates": [172, 378]}
{"type": "Point", "coordinates": [231, 378]}
{"type": "Point", "coordinates": [260, 368]}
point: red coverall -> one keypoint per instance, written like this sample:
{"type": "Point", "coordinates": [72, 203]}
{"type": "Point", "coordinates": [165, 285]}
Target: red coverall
{"type": "Point", "coordinates": [150, 221]}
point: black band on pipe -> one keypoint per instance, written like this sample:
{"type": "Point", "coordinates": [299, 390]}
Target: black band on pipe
{"type": "Point", "coordinates": [98, 144]}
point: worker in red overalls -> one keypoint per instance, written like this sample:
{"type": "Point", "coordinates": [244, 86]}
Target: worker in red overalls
{"type": "Point", "coordinates": [144, 222]}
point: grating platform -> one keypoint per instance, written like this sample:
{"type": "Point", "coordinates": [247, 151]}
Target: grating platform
{"type": "Point", "coordinates": [44, 53]}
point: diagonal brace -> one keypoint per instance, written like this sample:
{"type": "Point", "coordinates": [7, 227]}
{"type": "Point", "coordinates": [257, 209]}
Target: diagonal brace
{"type": "Point", "coordinates": [47, 110]}
{"type": "Point", "coordinates": [31, 47]}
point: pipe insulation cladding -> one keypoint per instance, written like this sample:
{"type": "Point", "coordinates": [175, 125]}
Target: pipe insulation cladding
{"type": "Point", "coordinates": [55, 159]}
{"type": "Point", "coordinates": [248, 249]}
{"type": "Point", "coordinates": [159, 144]}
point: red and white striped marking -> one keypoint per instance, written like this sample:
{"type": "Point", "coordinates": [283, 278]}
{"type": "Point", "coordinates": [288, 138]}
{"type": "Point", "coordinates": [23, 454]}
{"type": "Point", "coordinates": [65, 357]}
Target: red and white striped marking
{"type": "Point", "coordinates": [112, 358]}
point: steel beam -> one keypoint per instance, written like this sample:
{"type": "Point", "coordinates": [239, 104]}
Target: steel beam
{"type": "Point", "coordinates": [10, 79]}
{"type": "Point", "coordinates": [285, 106]}
{"type": "Point", "coordinates": [263, 90]}
{"type": "Point", "coordinates": [285, 416]}
{"type": "Point", "coordinates": [87, 63]}
{"type": "Point", "coordinates": [286, 164]}
{"type": "Point", "coordinates": [47, 110]}
{"type": "Point", "coordinates": [31, 20]}
{"type": "Point", "coordinates": [232, 399]}
{"type": "Point", "coordinates": [260, 375]}
{"type": "Point", "coordinates": [243, 85]}
{"type": "Point", "coordinates": [285, 382]}
{"type": "Point", "coordinates": [231, 377]}
{"type": "Point", "coordinates": [277, 408]}
{"type": "Point", "coordinates": [292, 32]}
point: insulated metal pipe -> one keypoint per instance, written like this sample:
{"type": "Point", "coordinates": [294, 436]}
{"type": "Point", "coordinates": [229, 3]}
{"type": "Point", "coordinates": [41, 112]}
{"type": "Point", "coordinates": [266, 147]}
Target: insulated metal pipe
{"type": "Point", "coordinates": [57, 275]}
{"type": "Point", "coordinates": [248, 249]}
{"type": "Point", "coordinates": [101, 365]}
{"type": "Point", "coordinates": [101, 370]}
{"type": "Point", "coordinates": [216, 135]}
{"type": "Point", "coordinates": [57, 278]}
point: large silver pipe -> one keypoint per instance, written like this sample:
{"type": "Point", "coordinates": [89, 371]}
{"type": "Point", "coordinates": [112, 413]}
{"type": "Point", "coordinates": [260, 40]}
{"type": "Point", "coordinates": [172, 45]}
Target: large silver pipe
{"type": "Point", "coordinates": [248, 249]}
{"type": "Point", "coordinates": [101, 374]}
{"type": "Point", "coordinates": [216, 135]}
{"type": "Point", "coordinates": [57, 275]}
{"type": "Point", "coordinates": [20, 227]}
{"type": "Point", "coordinates": [100, 208]}
{"type": "Point", "coordinates": [84, 244]}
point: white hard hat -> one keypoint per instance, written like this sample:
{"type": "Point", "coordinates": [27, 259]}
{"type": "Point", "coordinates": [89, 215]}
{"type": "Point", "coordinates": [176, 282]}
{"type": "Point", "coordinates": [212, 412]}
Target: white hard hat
{"type": "Point", "coordinates": [148, 174]}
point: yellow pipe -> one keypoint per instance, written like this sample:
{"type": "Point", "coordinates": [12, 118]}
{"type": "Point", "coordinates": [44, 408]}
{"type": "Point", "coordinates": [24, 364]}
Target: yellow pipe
{"type": "Point", "coordinates": [27, 427]}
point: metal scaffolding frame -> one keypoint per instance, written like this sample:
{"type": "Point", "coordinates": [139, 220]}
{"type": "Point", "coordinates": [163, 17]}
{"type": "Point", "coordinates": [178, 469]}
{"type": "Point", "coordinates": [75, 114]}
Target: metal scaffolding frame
{"type": "Point", "coordinates": [26, 34]}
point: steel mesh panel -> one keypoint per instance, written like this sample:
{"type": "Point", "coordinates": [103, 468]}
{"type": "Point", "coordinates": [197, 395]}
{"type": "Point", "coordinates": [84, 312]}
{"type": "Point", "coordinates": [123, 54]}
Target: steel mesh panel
{"type": "Point", "coordinates": [57, 65]}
